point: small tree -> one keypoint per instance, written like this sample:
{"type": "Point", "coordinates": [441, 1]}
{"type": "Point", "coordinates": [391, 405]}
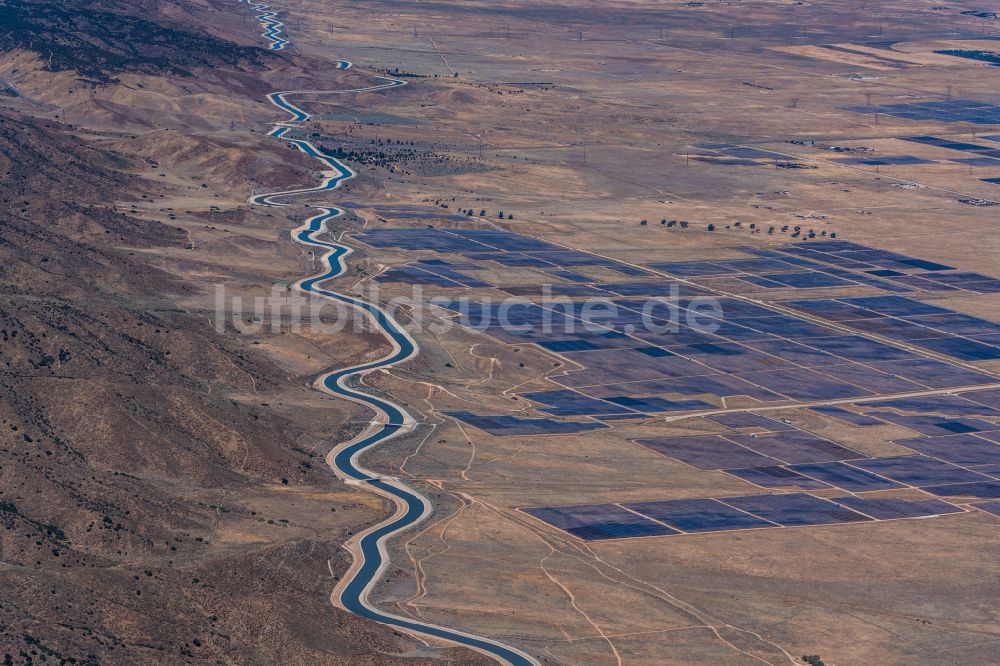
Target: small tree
{"type": "Point", "coordinates": [711, 227]}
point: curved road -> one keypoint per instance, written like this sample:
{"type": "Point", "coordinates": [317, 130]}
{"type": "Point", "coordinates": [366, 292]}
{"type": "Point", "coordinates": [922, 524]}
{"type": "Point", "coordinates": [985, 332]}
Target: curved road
{"type": "Point", "coordinates": [369, 549]}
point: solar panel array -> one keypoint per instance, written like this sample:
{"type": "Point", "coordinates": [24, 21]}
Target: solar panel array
{"type": "Point", "coordinates": [736, 155]}
{"type": "Point", "coordinates": [747, 349]}
{"type": "Point", "coordinates": [819, 264]}
{"type": "Point", "coordinates": [951, 111]}
{"type": "Point", "coordinates": [955, 460]}
{"type": "Point", "coordinates": [511, 425]}
{"type": "Point", "coordinates": [884, 160]}
{"type": "Point", "coordinates": [825, 346]}
{"type": "Point", "coordinates": [730, 154]}
{"type": "Point", "coordinates": [883, 269]}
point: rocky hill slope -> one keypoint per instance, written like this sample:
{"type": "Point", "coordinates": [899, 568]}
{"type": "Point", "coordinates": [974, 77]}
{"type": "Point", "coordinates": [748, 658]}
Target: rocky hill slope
{"type": "Point", "coordinates": [98, 40]}
{"type": "Point", "coordinates": [158, 501]}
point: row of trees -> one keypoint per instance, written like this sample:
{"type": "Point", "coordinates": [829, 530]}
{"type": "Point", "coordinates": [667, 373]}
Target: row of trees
{"type": "Point", "coordinates": [796, 231]}
{"type": "Point", "coordinates": [482, 211]}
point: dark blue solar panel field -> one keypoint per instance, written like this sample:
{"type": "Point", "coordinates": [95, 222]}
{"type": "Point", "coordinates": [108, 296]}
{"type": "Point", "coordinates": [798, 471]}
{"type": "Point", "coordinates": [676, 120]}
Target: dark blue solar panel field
{"type": "Point", "coordinates": [952, 110]}
{"type": "Point", "coordinates": [853, 337]}
{"type": "Point", "coordinates": [801, 349]}
{"type": "Point", "coordinates": [946, 470]}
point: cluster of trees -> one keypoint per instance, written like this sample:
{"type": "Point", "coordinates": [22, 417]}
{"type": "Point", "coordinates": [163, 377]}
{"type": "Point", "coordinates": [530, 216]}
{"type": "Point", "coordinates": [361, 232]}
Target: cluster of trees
{"type": "Point", "coordinates": [683, 224]}
{"type": "Point", "coordinates": [472, 211]}
{"type": "Point", "coordinates": [974, 54]}
{"type": "Point", "coordinates": [399, 73]}
{"type": "Point", "coordinates": [379, 153]}
{"type": "Point", "coordinates": [977, 202]}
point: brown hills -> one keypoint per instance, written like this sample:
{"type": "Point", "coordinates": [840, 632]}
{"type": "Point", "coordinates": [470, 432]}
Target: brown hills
{"type": "Point", "coordinates": [163, 497]}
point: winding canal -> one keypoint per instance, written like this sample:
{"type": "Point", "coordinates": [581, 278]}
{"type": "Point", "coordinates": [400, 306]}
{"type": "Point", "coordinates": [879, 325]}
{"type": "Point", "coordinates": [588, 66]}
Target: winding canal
{"type": "Point", "coordinates": [369, 549]}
